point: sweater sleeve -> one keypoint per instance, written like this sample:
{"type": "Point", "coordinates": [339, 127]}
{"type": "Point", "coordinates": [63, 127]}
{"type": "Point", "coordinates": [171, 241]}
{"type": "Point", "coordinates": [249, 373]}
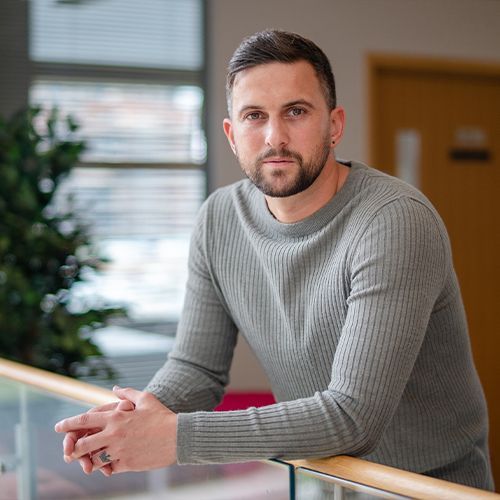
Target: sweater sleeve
{"type": "Point", "coordinates": [397, 269]}
{"type": "Point", "coordinates": [196, 372]}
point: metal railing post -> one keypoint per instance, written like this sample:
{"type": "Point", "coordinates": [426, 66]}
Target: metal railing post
{"type": "Point", "coordinates": [25, 470]}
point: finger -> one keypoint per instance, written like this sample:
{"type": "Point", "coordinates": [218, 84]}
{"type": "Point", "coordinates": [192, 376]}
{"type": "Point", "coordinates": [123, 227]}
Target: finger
{"type": "Point", "coordinates": [125, 405]}
{"type": "Point", "coordinates": [106, 407]}
{"type": "Point", "coordinates": [106, 470]}
{"type": "Point", "coordinates": [101, 459]}
{"type": "Point", "coordinates": [72, 437]}
{"type": "Point", "coordinates": [86, 464]}
{"type": "Point", "coordinates": [69, 442]}
{"type": "Point", "coordinates": [80, 422]}
{"type": "Point", "coordinates": [128, 393]}
{"type": "Point", "coordinates": [117, 467]}
{"type": "Point", "coordinates": [89, 444]}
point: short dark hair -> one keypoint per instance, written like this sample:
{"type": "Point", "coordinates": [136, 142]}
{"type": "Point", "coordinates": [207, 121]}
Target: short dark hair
{"type": "Point", "coordinates": [280, 46]}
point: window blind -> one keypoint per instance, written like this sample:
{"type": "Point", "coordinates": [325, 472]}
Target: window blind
{"type": "Point", "coordinates": [140, 220]}
{"type": "Point", "coordinates": [149, 33]}
{"type": "Point", "coordinates": [130, 122]}
{"type": "Point", "coordinates": [142, 177]}
{"type": "Point", "coordinates": [132, 203]}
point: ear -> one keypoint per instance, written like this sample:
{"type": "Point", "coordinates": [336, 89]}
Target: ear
{"type": "Point", "coordinates": [337, 123]}
{"type": "Point", "coordinates": [228, 130]}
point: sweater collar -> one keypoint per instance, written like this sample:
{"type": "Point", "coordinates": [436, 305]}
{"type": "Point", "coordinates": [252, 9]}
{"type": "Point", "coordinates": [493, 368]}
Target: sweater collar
{"type": "Point", "coordinates": [318, 219]}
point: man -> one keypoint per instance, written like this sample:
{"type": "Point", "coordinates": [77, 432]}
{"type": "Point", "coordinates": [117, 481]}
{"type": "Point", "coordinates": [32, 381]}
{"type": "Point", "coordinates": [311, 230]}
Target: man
{"type": "Point", "coordinates": [340, 278]}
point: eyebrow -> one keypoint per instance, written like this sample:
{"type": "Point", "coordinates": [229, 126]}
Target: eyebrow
{"type": "Point", "coordinates": [301, 102]}
{"type": "Point", "coordinates": [248, 107]}
{"type": "Point", "coordinates": [256, 107]}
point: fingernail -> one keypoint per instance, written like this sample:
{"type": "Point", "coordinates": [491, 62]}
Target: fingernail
{"type": "Point", "coordinates": [116, 387]}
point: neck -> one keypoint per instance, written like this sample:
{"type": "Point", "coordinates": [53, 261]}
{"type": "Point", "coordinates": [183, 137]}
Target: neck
{"type": "Point", "coordinates": [301, 205]}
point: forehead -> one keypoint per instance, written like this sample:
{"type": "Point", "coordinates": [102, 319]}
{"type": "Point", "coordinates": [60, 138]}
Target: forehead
{"type": "Point", "coordinates": [276, 83]}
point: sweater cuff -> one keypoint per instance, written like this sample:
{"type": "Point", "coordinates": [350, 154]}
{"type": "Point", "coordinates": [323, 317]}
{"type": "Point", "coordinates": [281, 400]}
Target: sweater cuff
{"type": "Point", "coordinates": [185, 426]}
{"type": "Point", "coordinates": [208, 437]}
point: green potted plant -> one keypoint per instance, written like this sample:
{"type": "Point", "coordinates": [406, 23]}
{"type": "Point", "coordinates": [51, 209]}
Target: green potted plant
{"type": "Point", "coordinates": [40, 251]}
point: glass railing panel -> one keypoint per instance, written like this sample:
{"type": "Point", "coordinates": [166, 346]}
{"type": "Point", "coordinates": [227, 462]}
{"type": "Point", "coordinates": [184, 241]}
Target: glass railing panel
{"type": "Point", "coordinates": [9, 440]}
{"type": "Point", "coordinates": [31, 464]}
{"type": "Point", "coordinates": [313, 485]}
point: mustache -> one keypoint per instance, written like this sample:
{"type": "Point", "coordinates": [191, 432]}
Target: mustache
{"type": "Point", "coordinates": [283, 153]}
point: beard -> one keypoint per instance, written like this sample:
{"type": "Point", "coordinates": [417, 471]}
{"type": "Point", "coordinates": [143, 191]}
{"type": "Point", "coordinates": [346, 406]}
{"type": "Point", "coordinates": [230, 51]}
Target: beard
{"type": "Point", "coordinates": [280, 182]}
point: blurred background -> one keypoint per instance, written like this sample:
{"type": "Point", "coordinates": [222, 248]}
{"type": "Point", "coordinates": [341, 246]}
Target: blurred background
{"type": "Point", "coordinates": [420, 82]}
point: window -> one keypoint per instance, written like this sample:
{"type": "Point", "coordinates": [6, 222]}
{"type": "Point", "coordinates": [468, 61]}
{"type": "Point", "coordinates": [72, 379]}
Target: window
{"type": "Point", "coordinates": [165, 34]}
{"type": "Point", "coordinates": [130, 73]}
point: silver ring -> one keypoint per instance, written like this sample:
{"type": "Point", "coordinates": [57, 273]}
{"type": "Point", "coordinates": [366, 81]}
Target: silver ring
{"type": "Point", "coordinates": [104, 457]}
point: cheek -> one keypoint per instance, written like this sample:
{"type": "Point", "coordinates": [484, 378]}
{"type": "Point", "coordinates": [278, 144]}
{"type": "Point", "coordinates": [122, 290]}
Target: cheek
{"type": "Point", "coordinates": [248, 143]}
{"type": "Point", "coordinates": [310, 143]}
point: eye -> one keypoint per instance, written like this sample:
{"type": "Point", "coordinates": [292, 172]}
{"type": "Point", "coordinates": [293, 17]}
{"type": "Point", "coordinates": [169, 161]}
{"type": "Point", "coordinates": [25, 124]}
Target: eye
{"type": "Point", "coordinates": [296, 111]}
{"type": "Point", "coordinates": [254, 115]}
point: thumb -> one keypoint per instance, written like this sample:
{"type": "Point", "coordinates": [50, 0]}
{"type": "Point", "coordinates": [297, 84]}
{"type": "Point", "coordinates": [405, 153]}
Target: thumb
{"type": "Point", "coordinates": [132, 395]}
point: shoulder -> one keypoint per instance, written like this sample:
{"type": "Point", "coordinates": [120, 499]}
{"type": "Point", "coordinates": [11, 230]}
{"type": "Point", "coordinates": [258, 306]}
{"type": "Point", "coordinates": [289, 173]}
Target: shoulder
{"type": "Point", "coordinates": [224, 197]}
{"type": "Point", "coordinates": [379, 194]}
{"type": "Point", "coordinates": [222, 210]}
{"type": "Point", "coordinates": [390, 209]}
{"type": "Point", "coordinates": [377, 185]}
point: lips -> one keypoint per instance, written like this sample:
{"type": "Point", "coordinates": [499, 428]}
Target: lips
{"type": "Point", "coordinates": [277, 158]}
{"type": "Point", "coordinates": [278, 161]}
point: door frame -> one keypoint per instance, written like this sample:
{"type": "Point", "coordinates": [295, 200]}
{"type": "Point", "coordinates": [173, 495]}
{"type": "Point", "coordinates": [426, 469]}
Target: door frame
{"type": "Point", "coordinates": [377, 62]}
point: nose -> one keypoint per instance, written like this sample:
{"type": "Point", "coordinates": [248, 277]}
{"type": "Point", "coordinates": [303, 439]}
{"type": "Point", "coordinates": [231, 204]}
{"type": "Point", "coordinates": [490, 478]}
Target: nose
{"type": "Point", "coordinates": [276, 134]}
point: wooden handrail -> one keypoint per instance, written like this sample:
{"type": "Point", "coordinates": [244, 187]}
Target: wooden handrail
{"type": "Point", "coordinates": [56, 384]}
{"type": "Point", "coordinates": [408, 484]}
{"type": "Point", "coordinates": [351, 469]}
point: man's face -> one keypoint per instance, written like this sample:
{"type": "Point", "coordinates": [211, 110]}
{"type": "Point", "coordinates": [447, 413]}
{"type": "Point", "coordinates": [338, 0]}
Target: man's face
{"type": "Point", "coordinates": [280, 127]}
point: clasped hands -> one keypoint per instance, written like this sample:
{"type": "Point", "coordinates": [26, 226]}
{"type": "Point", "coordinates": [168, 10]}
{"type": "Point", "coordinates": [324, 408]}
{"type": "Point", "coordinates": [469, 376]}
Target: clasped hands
{"type": "Point", "coordinates": [134, 434]}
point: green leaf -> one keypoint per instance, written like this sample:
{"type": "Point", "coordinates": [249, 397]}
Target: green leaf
{"type": "Point", "coordinates": [38, 262]}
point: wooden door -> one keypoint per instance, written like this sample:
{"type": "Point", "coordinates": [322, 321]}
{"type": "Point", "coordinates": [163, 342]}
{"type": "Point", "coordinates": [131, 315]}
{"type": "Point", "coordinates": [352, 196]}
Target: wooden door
{"type": "Point", "coordinates": [444, 119]}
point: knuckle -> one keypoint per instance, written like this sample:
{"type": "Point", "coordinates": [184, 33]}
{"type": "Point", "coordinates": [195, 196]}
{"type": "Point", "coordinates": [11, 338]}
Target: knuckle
{"type": "Point", "coordinates": [80, 447]}
{"type": "Point", "coordinates": [128, 405]}
{"type": "Point", "coordinates": [117, 421]}
{"type": "Point", "coordinates": [146, 398]}
{"type": "Point", "coordinates": [82, 419]}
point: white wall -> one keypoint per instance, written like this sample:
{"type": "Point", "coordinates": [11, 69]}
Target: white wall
{"type": "Point", "coordinates": [347, 30]}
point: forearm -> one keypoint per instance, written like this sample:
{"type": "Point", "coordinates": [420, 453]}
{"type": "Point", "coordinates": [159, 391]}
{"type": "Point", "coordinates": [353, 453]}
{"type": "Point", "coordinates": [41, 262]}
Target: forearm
{"type": "Point", "coordinates": [311, 427]}
{"type": "Point", "coordinates": [183, 387]}
{"type": "Point", "coordinates": [196, 373]}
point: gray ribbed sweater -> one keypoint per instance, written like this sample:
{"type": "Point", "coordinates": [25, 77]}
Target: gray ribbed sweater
{"type": "Point", "coordinates": [356, 316]}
